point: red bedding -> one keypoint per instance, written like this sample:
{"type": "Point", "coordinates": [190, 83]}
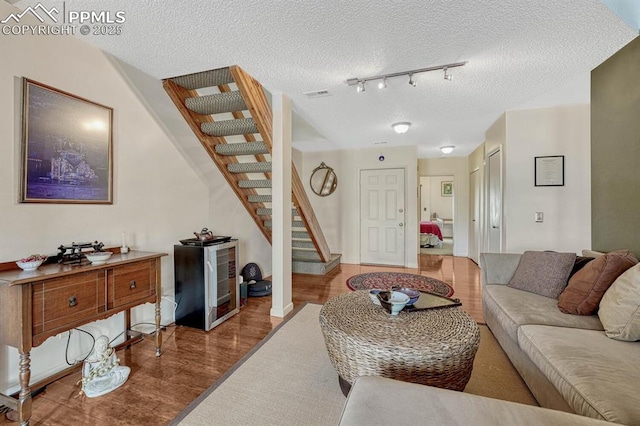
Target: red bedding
{"type": "Point", "coordinates": [427, 227]}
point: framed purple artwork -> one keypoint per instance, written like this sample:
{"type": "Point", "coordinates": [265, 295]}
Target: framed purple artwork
{"type": "Point", "coordinates": [67, 153]}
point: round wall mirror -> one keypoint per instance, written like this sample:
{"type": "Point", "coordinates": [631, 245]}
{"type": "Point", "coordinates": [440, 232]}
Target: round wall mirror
{"type": "Point", "coordinates": [323, 180]}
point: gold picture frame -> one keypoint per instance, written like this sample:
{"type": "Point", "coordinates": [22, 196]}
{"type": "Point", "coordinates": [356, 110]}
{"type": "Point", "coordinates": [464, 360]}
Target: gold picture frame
{"type": "Point", "coordinates": [67, 147]}
{"type": "Point", "coordinates": [446, 189]}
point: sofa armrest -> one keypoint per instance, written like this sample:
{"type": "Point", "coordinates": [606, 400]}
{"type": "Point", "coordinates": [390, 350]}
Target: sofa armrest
{"type": "Point", "coordinates": [498, 268]}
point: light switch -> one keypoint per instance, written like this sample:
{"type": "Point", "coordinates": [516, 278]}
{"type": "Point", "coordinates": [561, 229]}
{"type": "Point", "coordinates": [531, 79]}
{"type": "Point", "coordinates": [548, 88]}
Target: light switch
{"type": "Point", "coordinates": [539, 217]}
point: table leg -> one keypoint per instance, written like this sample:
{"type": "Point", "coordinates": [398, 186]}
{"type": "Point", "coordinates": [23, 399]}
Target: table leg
{"type": "Point", "coordinates": [24, 398]}
{"type": "Point", "coordinates": [158, 328]}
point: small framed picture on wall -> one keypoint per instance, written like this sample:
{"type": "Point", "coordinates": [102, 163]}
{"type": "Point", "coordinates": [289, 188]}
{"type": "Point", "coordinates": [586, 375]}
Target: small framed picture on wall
{"type": "Point", "coordinates": [446, 189]}
{"type": "Point", "coordinates": [549, 170]}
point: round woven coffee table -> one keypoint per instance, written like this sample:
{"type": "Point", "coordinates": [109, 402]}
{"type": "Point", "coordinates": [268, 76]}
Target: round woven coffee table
{"type": "Point", "coordinates": [434, 347]}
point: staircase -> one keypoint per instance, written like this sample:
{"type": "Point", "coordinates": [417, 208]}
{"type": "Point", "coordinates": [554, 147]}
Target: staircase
{"type": "Point", "coordinates": [230, 115]}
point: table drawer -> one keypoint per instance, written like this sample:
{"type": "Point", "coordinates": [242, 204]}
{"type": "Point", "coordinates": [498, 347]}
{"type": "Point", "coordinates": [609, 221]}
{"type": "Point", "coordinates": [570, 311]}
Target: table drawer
{"type": "Point", "coordinates": [131, 283]}
{"type": "Point", "coordinates": [67, 300]}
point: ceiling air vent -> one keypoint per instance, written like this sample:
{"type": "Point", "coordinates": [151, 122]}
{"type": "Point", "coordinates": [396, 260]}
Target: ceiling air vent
{"type": "Point", "coordinates": [317, 94]}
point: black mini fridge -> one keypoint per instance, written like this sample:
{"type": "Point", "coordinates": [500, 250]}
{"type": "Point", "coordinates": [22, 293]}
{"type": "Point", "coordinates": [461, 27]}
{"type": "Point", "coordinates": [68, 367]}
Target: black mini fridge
{"type": "Point", "coordinates": [206, 284]}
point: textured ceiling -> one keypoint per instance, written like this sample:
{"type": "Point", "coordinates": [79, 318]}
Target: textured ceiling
{"type": "Point", "coordinates": [517, 50]}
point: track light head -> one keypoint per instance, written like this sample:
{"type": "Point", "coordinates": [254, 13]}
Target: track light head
{"type": "Point", "coordinates": [383, 83]}
{"type": "Point", "coordinates": [447, 76]}
{"type": "Point", "coordinates": [360, 87]}
{"type": "Point", "coordinates": [412, 81]}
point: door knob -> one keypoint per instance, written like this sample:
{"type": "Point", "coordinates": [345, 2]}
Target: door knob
{"type": "Point", "coordinates": [401, 210]}
{"type": "Point", "coordinates": [401, 225]}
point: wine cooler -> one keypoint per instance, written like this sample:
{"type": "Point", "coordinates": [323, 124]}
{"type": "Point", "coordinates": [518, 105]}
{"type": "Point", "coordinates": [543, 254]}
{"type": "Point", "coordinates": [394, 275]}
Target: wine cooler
{"type": "Point", "coordinates": [207, 287]}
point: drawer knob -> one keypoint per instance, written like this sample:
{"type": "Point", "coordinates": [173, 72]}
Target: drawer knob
{"type": "Point", "coordinates": [73, 301]}
{"type": "Point", "coordinates": [132, 284]}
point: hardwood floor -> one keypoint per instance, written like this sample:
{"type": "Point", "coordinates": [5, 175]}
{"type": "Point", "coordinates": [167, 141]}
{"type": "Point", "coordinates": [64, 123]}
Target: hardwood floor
{"type": "Point", "coordinates": [159, 388]}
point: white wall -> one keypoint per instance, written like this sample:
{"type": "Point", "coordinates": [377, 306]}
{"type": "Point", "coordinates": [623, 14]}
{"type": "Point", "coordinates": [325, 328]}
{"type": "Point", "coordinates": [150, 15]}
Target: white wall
{"type": "Point", "coordinates": [567, 209]}
{"type": "Point", "coordinates": [458, 167]}
{"type": "Point", "coordinates": [158, 197]}
{"type": "Point", "coordinates": [432, 199]}
{"type": "Point", "coordinates": [338, 213]}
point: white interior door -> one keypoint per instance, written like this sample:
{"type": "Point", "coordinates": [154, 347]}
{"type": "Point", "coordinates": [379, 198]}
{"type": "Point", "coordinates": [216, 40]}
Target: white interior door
{"type": "Point", "coordinates": [474, 226]}
{"type": "Point", "coordinates": [382, 217]}
{"type": "Point", "coordinates": [494, 204]}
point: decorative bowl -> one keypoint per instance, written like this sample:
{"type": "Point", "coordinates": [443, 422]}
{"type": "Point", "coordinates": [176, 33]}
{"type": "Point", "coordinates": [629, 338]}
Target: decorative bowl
{"type": "Point", "coordinates": [98, 257]}
{"type": "Point", "coordinates": [413, 294]}
{"type": "Point", "coordinates": [32, 262]}
{"type": "Point", "coordinates": [393, 301]}
{"type": "Point", "coordinates": [373, 294]}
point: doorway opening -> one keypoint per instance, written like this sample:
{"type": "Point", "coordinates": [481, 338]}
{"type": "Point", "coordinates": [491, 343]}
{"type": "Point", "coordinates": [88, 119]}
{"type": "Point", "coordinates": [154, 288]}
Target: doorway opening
{"type": "Point", "coordinates": [436, 215]}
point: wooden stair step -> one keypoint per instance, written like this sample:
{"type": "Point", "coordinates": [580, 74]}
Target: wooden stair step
{"type": "Point", "coordinates": [216, 104]}
{"type": "Point", "coordinates": [260, 167]}
{"type": "Point", "coordinates": [257, 198]}
{"type": "Point", "coordinates": [243, 148]}
{"type": "Point", "coordinates": [202, 79]}
{"type": "Point", "coordinates": [239, 126]}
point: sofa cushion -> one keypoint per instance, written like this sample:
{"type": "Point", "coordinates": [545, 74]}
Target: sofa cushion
{"type": "Point", "coordinates": [586, 288]}
{"type": "Point", "coordinates": [543, 272]}
{"type": "Point", "coordinates": [597, 376]}
{"type": "Point", "coordinates": [381, 401]}
{"type": "Point", "coordinates": [620, 307]}
{"type": "Point", "coordinates": [514, 308]}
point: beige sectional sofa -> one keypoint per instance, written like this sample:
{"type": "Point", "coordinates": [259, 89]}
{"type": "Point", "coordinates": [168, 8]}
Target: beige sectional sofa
{"type": "Point", "coordinates": [375, 401]}
{"type": "Point", "coordinates": [567, 361]}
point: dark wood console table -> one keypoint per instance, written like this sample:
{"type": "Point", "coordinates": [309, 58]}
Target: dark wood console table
{"type": "Point", "coordinates": [35, 305]}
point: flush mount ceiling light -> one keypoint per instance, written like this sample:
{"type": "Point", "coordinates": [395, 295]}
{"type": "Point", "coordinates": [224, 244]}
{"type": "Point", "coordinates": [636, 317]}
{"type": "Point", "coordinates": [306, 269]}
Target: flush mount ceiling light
{"type": "Point", "coordinates": [359, 82]}
{"type": "Point", "coordinates": [401, 127]}
{"type": "Point", "coordinates": [447, 149]}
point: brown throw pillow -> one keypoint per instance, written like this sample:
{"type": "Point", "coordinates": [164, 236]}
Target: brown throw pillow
{"type": "Point", "coordinates": [542, 272]}
{"type": "Point", "coordinates": [586, 288]}
{"type": "Point", "coordinates": [581, 262]}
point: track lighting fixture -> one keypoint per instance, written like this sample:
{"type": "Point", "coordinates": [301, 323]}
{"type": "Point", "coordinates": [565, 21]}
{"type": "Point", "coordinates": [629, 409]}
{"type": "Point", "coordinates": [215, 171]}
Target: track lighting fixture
{"type": "Point", "coordinates": [401, 127]}
{"type": "Point", "coordinates": [359, 82]}
{"type": "Point", "coordinates": [447, 149]}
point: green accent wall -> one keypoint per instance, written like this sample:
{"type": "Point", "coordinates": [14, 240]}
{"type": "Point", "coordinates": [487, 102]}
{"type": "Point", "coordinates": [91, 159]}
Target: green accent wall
{"type": "Point", "coordinates": [615, 151]}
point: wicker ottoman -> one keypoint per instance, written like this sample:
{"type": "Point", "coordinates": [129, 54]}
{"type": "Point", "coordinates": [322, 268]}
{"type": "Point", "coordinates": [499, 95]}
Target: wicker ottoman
{"type": "Point", "coordinates": [434, 347]}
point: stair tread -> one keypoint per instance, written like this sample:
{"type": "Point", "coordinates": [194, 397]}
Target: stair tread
{"type": "Point", "coordinates": [254, 183]}
{"type": "Point", "coordinates": [216, 103]}
{"type": "Point", "coordinates": [256, 167]}
{"type": "Point", "coordinates": [242, 148]}
{"type": "Point", "coordinates": [239, 126]}
{"type": "Point", "coordinates": [202, 79]}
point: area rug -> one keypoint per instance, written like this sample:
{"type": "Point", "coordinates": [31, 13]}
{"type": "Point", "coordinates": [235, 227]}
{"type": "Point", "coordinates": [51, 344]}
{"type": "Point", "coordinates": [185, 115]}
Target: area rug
{"type": "Point", "coordinates": [386, 280]}
{"type": "Point", "coordinates": [288, 380]}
